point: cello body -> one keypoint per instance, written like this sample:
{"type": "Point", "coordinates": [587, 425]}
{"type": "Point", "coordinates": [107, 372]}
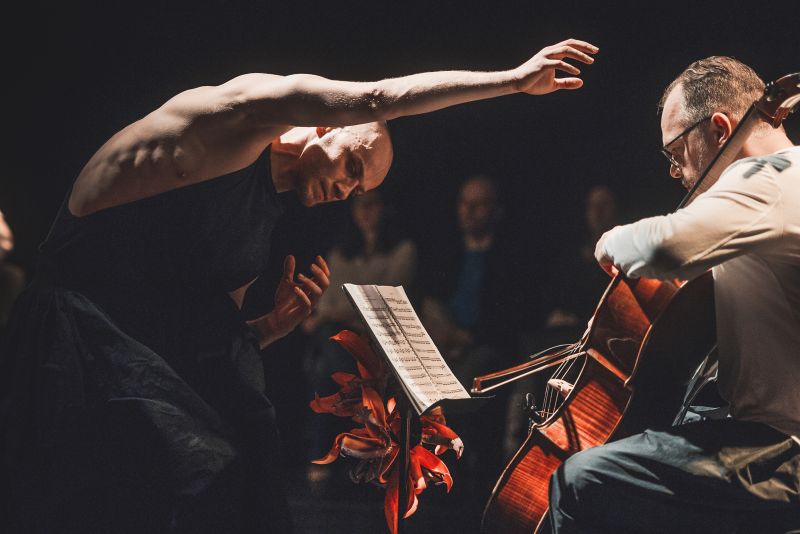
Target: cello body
{"type": "Point", "coordinates": [640, 352]}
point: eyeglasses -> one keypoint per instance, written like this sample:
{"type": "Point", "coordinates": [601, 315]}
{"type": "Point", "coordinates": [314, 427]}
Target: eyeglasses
{"type": "Point", "coordinates": [668, 154]}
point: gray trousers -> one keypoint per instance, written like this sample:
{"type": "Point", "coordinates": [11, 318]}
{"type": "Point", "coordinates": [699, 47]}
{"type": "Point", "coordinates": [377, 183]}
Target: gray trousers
{"type": "Point", "coordinates": [723, 476]}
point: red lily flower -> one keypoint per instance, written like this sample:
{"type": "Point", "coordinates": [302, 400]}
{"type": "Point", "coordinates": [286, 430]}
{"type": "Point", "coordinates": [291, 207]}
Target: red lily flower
{"type": "Point", "coordinates": [375, 445]}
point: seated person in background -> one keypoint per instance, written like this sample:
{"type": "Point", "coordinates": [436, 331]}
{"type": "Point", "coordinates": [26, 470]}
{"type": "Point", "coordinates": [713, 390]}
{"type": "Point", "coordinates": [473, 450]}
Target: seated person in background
{"type": "Point", "coordinates": [470, 314]}
{"type": "Point", "coordinates": [575, 287]}
{"type": "Point", "coordinates": [576, 283]}
{"type": "Point", "coordinates": [372, 251]}
{"type": "Point", "coordinates": [12, 277]}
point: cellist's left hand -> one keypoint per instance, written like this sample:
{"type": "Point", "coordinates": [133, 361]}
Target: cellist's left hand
{"type": "Point", "coordinates": [606, 263]}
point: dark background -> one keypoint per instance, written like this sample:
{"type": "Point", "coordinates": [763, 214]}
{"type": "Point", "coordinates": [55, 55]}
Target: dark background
{"type": "Point", "coordinates": [77, 73]}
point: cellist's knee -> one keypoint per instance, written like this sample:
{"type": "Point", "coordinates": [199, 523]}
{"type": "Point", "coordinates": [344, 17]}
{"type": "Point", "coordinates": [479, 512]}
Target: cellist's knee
{"type": "Point", "coordinates": [576, 489]}
{"type": "Point", "coordinates": [583, 472]}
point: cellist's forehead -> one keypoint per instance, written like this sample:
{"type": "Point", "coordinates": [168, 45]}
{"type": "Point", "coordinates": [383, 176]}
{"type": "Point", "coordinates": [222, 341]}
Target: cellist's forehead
{"type": "Point", "coordinates": [672, 117]}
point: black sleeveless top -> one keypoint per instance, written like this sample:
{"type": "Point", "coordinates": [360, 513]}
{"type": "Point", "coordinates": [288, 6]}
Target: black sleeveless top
{"type": "Point", "coordinates": [168, 261]}
{"type": "Point", "coordinates": [129, 378]}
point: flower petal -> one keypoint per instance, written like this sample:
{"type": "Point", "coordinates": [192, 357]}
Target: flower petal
{"type": "Point", "coordinates": [337, 404]}
{"type": "Point", "coordinates": [431, 463]}
{"type": "Point", "coordinates": [387, 467]}
{"type": "Point", "coordinates": [434, 433]}
{"type": "Point", "coordinates": [373, 402]}
{"type": "Point", "coordinates": [343, 379]}
{"type": "Point", "coordinates": [370, 365]}
{"type": "Point", "coordinates": [415, 477]}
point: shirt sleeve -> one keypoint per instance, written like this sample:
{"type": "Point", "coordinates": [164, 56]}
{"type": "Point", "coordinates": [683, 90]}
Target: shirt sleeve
{"type": "Point", "coordinates": [739, 214]}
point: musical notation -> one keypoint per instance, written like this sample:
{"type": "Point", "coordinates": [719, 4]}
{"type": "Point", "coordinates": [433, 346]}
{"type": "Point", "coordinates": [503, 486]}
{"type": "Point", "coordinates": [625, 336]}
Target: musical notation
{"type": "Point", "coordinates": [396, 328]}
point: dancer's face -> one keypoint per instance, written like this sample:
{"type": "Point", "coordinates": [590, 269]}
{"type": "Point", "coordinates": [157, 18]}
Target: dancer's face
{"type": "Point", "coordinates": [340, 162]}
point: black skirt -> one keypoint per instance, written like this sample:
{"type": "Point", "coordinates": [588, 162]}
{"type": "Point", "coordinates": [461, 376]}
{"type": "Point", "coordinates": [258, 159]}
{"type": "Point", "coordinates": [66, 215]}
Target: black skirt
{"type": "Point", "coordinates": [99, 433]}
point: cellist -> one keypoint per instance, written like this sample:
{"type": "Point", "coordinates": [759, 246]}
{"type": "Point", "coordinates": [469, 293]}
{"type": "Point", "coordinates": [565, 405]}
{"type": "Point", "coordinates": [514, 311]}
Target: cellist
{"type": "Point", "coordinates": [740, 472]}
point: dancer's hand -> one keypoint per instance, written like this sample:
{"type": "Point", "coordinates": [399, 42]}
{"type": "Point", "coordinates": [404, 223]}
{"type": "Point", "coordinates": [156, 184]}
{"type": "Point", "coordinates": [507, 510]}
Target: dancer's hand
{"type": "Point", "coordinates": [537, 76]}
{"type": "Point", "coordinates": [295, 298]}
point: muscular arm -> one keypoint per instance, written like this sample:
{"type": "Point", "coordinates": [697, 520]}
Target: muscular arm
{"type": "Point", "coordinates": [6, 237]}
{"type": "Point", "coordinates": [308, 100]}
{"type": "Point", "coordinates": [213, 130]}
{"type": "Point", "coordinates": [741, 213]}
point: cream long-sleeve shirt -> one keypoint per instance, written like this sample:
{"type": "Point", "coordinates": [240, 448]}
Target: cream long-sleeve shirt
{"type": "Point", "coordinates": [746, 229]}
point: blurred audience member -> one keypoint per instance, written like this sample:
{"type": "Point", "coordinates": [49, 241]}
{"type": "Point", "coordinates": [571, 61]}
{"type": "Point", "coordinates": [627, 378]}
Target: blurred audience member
{"type": "Point", "coordinates": [577, 282]}
{"type": "Point", "coordinates": [470, 308]}
{"type": "Point", "coordinates": [12, 277]}
{"type": "Point", "coordinates": [573, 291]}
{"type": "Point", "coordinates": [372, 251]}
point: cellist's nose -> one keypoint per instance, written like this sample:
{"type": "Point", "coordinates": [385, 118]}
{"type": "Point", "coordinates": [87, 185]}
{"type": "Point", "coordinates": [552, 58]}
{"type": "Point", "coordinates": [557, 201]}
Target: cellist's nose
{"type": "Point", "coordinates": [675, 171]}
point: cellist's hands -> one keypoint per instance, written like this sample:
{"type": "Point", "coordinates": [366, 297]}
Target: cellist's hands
{"type": "Point", "coordinates": [606, 263]}
{"type": "Point", "coordinates": [537, 76]}
{"type": "Point", "coordinates": [295, 298]}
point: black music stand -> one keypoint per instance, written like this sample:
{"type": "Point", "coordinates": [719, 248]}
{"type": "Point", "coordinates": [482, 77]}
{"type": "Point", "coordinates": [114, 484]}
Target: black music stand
{"type": "Point", "coordinates": [409, 424]}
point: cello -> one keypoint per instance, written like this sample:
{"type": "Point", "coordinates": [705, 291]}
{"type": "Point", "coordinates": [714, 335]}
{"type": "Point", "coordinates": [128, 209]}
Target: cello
{"type": "Point", "coordinates": [629, 369]}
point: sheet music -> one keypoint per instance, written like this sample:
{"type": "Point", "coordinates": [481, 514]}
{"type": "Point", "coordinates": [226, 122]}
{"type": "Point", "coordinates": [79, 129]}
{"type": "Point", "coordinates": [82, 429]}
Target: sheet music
{"type": "Point", "coordinates": [388, 314]}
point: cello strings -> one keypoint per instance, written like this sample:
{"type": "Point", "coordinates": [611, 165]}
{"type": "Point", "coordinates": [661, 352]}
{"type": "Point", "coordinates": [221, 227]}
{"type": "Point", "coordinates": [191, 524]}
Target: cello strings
{"type": "Point", "coordinates": [552, 397]}
{"type": "Point", "coordinates": [558, 350]}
